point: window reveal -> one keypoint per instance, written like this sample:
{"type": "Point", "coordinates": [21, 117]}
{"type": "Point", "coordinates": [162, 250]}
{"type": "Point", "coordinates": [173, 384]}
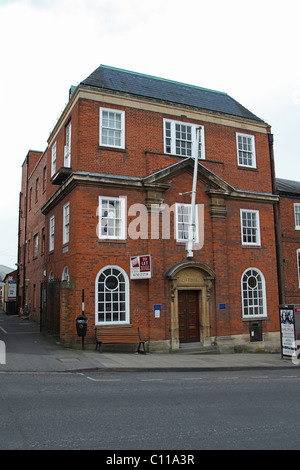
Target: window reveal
{"type": "Point", "coordinates": [297, 216]}
{"type": "Point", "coordinates": [180, 139]}
{"type": "Point", "coordinates": [67, 147]}
{"type": "Point", "coordinates": [112, 128]}
{"type": "Point", "coordinates": [53, 160]}
{"type": "Point", "coordinates": [112, 218]}
{"type": "Point", "coordinates": [253, 294]}
{"type": "Point", "coordinates": [112, 296]}
{"type": "Point", "coordinates": [246, 150]}
{"type": "Point", "coordinates": [183, 223]}
{"type": "Point", "coordinates": [66, 223]}
{"type": "Point", "coordinates": [51, 234]}
{"type": "Point", "coordinates": [250, 227]}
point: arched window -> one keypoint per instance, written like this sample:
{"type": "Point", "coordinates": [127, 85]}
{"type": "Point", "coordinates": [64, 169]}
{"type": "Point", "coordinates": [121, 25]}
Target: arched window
{"type": "Point", "coordinates": [112, 296]}
{"type": "Point", "coordinates": [65, 274]}
{"type": "Point", "coordinates": [254, 294]}
{"type": "Point", "coordinates": [51, 276]}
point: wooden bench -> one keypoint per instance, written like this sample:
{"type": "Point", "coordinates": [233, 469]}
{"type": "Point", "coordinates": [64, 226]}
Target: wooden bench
{"type": "Point", "coordinates": [117, 335]}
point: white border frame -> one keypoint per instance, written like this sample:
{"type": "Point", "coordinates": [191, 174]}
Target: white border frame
{"type": "Point", "coordinates": [253, 151]}
{"type": "Point", "coordinates": [179, 240]}
{"type": "Point", "coordinates": [51, 246]}
{"type": "Point", "coordinates": [258, 243]}
{"type": "Point", "coordinates": [123, 203]}
{"type": "Point", "coordinates": [127, 298]}
{"type": "Point", "coordinates": [247, 317]}
{"type": "Point", "coordinates": [296, 204]}
{"type": "Point", "coordinates": [120, 111]}
{"type": "Point", "coordinates": [65, 240]}
{"type": "Point", "coordinates": [173, 139]}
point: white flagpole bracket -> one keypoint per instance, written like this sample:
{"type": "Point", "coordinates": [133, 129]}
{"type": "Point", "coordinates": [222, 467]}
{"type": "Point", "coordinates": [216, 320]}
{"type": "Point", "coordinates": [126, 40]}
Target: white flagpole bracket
{"type": "Point", "coordinates": [192, 222]}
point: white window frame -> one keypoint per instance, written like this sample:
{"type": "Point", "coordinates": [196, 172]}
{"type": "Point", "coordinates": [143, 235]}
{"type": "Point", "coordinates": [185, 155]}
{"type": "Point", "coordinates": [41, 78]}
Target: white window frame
{"type": "Point", "coordinates": [36, 245]}
{"type": "Point", "coordinates": [114, 130]}
{"type": "Point", "coordinates": [65, 277]}
{"type": "Point", "coordinates": [298, 266]}
{"type": "Point", "coordinates": [66, 223]}
{"type": "Point", "coordinates": [253, 229]}
{"type": "Point", "coordinates": [44, 178]}
{"type": "Point", "coordinates": [297, 215]}
{"type": "Point", "coordinates": [43, 241]}
{"type": "Point", "coordinates": [105, 299]}
{"type": "Point", "coordinates": [187, 222]}
{"type": "Point", "coordinates": [251, 154]}
{"type": "Point", "coordinates": [67, 147]}
{"type": "Point", "coordinates": [53, 160]}
{"type": "Point", "coordinates": [108, 212]}
{"type": "Point", "coordinates": [170, 146]}
{"type": "Point", "coordinates": [51, 232]}
{"type": "Point", "coordinates": [254, 302]}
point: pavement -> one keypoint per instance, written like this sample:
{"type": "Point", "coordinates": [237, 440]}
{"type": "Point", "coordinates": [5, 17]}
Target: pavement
{"type": "Point", "coordinates": [27, 350]}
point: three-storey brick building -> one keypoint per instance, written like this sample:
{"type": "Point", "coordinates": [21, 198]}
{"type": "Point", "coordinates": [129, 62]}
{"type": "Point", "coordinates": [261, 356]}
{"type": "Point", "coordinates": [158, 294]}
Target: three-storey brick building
{"type": "Point", "coordinates": [115, 184]}
{"type": "Point", "coordinates": [289, 217]}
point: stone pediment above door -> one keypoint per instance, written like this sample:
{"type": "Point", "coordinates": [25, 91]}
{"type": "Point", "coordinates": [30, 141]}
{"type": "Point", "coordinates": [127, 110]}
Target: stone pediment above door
{"type": "Point", "coordinates": [157, 183]}
{"type": "Point", "coordinates": [211, 180]}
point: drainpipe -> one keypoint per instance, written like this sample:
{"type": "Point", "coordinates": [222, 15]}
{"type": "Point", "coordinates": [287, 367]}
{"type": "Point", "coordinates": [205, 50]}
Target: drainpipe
{"type": "Point", "coordinates": [25, 233]}
{"type": "Point", "coordinates": [275, 211]}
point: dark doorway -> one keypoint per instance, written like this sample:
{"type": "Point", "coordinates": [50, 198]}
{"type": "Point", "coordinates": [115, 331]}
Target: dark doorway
{"type": "Point", "coordinates": [50, 306]}
{"type": "Point", "coordinates": [188, 313]}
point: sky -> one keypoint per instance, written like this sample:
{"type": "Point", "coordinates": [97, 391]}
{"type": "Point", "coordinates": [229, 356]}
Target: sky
{"type": "Point", "coordinates": [249, 50]}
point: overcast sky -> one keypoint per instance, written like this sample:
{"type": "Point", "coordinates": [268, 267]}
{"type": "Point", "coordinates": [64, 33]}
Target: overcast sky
{"type": "Point", "coordinates": [249, 50]}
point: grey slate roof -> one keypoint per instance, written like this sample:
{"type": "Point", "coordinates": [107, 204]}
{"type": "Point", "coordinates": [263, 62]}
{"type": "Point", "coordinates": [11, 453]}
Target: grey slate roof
{"type": "Point", "coordinates": [124, 81]}
{"type": "Point", "coordinates": [4, 270]}
{"type": "Point", "coordinates": [288, 186]}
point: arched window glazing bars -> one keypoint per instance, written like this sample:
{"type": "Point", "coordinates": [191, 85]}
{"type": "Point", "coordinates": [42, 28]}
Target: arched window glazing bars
{"type": "Point", "coordinates": [254, 293]}
{"type": "Point", "coordinates": [112, 296]}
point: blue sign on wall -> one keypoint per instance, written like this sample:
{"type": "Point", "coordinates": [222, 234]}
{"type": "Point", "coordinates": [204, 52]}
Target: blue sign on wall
{"type": "Point", "coordinates": [157, 310]}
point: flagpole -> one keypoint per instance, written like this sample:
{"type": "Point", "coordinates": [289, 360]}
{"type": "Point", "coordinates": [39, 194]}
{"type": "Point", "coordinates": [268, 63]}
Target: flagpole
{"type": "Point", "coordinates": [192, 224]}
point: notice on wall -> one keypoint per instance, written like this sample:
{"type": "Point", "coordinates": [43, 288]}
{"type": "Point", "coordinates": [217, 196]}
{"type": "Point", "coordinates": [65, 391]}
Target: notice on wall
{"type": "Point", "coordinates": [12, 289]}
{"type": "Point", "coordinates": [157, 310]}
{"type": "Point", "coordinates": [141, 267]}
{"type": "Point", "coordinates": [287, 328]}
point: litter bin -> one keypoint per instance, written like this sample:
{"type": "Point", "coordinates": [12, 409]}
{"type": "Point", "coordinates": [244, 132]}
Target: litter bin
{"type": "Point", "coordinates": [81, 327]}
{"type": "Point", "coordinates": [10, 307]}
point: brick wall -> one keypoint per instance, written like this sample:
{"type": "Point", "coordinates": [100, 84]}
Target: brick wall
{"type": "Point", "coordinates": [290, 243]}
{"type": "Point", "coordinates": [35, 265]}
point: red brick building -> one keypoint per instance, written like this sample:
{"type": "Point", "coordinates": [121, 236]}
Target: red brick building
{"type": "Point", "coordinates": [115, 183]}
{"type": "Point", "coordinates": [289, 217]}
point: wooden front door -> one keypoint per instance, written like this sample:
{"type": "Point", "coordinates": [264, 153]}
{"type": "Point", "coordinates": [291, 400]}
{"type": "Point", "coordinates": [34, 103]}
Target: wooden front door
{"type": "Point", "coordinates": [188, 312]}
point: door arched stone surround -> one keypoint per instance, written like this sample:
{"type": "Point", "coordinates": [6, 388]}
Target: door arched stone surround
{"type": "Point", "coordinates": [191, 276]}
